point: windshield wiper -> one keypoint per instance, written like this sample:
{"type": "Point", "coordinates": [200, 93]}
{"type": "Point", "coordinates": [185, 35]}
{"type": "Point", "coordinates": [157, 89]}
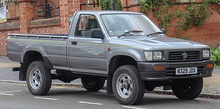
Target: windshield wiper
{"type": "Point", "coordinates": [130, 31]}
{"type": "Point", "coordinates": [155, 33]}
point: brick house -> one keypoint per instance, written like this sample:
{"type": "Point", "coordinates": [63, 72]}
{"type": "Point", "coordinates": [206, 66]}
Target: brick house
{"type": "Point", "coordinates": [28, 16]}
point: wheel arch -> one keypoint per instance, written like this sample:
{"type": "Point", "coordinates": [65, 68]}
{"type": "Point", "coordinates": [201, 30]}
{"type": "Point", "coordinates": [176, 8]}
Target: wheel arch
{"type": "Point", "coordinates": [116, 62]}
{"type": "Point", "coordinates": [28, 58]}
{"type": "Point", "coordinates": [30, 50]}
{"type": "Point", "coordinates": [120, 60]}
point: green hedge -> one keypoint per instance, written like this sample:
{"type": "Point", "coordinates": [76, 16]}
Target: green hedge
{"type": "Point", "coordinates": [216, 56]}
{"type": "Point", "coordinates": [106, 4]}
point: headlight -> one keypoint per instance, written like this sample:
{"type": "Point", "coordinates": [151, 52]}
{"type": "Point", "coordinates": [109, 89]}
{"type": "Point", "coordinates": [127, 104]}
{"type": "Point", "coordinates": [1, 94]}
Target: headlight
{"type": "Point", "coordinates": [205, 53]}
{"type": "Point", "coordinates": [153, 55]}
{"type": "Point", "coordinates": [148, 56]}
{"type": "Point", "coordinates": [157, 55]}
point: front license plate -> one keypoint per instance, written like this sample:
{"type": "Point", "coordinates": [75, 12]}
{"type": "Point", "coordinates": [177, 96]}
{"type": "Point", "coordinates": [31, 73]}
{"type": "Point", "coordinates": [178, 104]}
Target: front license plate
{"type": "Point", "coordinates": [186, 71]}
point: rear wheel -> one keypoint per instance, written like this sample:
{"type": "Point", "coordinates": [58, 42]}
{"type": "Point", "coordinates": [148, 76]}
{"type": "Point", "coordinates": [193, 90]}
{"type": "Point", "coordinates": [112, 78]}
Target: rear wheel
{"type": "Point", "coordinates": [128, 88]}
{"type": "Point", "coordinates": [93, 83]}
{"type": "Point", "coordinates": [189, 90]}
{"type": "Point", "coordinates": [38, 78]}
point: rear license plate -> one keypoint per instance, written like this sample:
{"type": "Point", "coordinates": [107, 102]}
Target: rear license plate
{"type": "Point", "coordinates": [186, 71]}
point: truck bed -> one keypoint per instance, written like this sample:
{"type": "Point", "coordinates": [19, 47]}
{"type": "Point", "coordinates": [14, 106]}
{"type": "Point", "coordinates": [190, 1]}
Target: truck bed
{"type": "Point", "coordinates": [47, 44]}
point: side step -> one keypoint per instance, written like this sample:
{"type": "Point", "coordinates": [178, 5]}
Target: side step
{"type": "Point", "coordinates": [16, 69]}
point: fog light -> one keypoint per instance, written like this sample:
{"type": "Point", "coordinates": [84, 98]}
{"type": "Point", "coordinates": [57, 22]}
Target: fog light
{"type": "Point", "coordinates": [209, 66]}
{"type": "Point", "coordinates": [159, 68]}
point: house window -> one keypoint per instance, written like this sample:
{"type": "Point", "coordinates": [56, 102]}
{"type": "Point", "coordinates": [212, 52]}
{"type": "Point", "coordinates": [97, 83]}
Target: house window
{"type": "Point", "coordinates": [48, 8]}
{"type": "Point", "coordinates": [1, 3]}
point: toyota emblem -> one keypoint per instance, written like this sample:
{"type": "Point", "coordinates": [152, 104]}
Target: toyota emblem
{"type": "Point", "coordinates": [185, 55]}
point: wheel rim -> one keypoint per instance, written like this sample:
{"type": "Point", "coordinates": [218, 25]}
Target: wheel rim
{"type": "Point", "coordinates": [35, 78]}
{"type": "Point", "coordinates": [124, 85]}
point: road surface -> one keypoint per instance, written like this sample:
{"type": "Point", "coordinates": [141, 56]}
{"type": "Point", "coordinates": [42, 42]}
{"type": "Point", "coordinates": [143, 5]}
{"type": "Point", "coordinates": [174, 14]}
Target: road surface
{"type": "Point", "coordinates": [17, 96]}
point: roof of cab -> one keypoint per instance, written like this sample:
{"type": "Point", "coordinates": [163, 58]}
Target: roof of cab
{"type": "Point", "coordinates": [108, 12]}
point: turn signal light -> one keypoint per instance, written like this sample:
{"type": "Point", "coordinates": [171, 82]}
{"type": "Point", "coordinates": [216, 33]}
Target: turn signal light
{"type": "Point", "coordinates": [209, 66]}
{"type": "Point", "coordinates": [159, 68]}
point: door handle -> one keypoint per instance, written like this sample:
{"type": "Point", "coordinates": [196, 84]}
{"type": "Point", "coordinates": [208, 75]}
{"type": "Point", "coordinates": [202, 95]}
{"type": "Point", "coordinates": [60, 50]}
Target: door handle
{"type": "Point", "coordinates": [74, 43]}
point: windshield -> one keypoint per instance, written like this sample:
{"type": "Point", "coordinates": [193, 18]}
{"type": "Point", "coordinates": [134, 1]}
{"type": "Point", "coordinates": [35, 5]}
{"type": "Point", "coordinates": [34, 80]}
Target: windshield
{"type": "Point", "coordinates": [118, 24]}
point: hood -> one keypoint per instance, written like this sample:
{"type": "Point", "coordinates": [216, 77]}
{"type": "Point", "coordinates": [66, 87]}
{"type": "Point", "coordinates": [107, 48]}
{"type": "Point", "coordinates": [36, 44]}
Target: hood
{"type": "Point", "coordinates": [164, 42]}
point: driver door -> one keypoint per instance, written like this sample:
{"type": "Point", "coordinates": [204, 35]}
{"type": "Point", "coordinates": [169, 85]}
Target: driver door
{"type": "Point", "coordinates": [86, 54]}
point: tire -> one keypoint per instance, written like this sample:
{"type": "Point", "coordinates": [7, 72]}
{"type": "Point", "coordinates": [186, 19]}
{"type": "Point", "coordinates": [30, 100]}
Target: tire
{"type": "Point", "coordinates": [92, 83]}
{"type": "Point", "coordinates": [189, 89]}
{"type": "Point", "coordinates": [38, 78]}
{"type": "Point", "coordinates": [128, 88]}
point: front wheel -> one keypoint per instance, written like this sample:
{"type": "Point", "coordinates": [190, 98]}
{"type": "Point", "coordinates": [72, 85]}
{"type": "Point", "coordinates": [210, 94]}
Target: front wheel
{"type": "Point", "coordinates": [188, 90]}
{"type": "Point", "coordinates": [38, 78]}
{"type": "Point", "coordinates": [128, 88]}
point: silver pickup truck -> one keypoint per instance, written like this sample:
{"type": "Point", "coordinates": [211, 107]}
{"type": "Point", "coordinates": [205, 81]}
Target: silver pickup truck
{"type": "Point", "coordinates": [124, 48]}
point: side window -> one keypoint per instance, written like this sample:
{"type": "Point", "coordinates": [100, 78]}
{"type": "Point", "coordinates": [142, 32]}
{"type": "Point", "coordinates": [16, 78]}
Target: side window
{"type": "Point", "coordinates": [85, 24]}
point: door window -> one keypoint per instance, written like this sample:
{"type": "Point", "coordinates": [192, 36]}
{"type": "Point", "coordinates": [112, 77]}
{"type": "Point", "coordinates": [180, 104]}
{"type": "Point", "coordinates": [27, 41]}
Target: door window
{"type": "Point", "coordinates": [85, 25]}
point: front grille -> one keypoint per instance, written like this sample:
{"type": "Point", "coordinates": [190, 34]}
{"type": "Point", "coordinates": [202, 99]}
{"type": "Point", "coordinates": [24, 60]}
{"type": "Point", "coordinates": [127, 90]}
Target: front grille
{"type": "Point", "coordinates": [172, 71]}
{"type": "Point", "coordinates": [184, 56]}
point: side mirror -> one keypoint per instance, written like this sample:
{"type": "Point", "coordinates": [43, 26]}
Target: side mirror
{"type": "Point", "coordinates": [163, 30]}
{"type": "Point", "coordinates": [97, 33]}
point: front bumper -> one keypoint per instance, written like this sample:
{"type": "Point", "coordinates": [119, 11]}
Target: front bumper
{"type": "Point", "coordinates": [148, 72]}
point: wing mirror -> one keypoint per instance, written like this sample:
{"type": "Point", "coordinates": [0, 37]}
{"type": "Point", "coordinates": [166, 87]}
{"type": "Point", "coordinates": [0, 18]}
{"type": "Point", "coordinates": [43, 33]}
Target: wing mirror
{"type": "Point", "coordinates": [163, 30]}
{"type": "Point", "coordinates": [97, 33]}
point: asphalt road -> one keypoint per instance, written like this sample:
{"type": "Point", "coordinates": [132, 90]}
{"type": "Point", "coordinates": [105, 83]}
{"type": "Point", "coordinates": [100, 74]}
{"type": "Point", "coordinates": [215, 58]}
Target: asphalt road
{"type": "Point", "coordinates": [17, 96]}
